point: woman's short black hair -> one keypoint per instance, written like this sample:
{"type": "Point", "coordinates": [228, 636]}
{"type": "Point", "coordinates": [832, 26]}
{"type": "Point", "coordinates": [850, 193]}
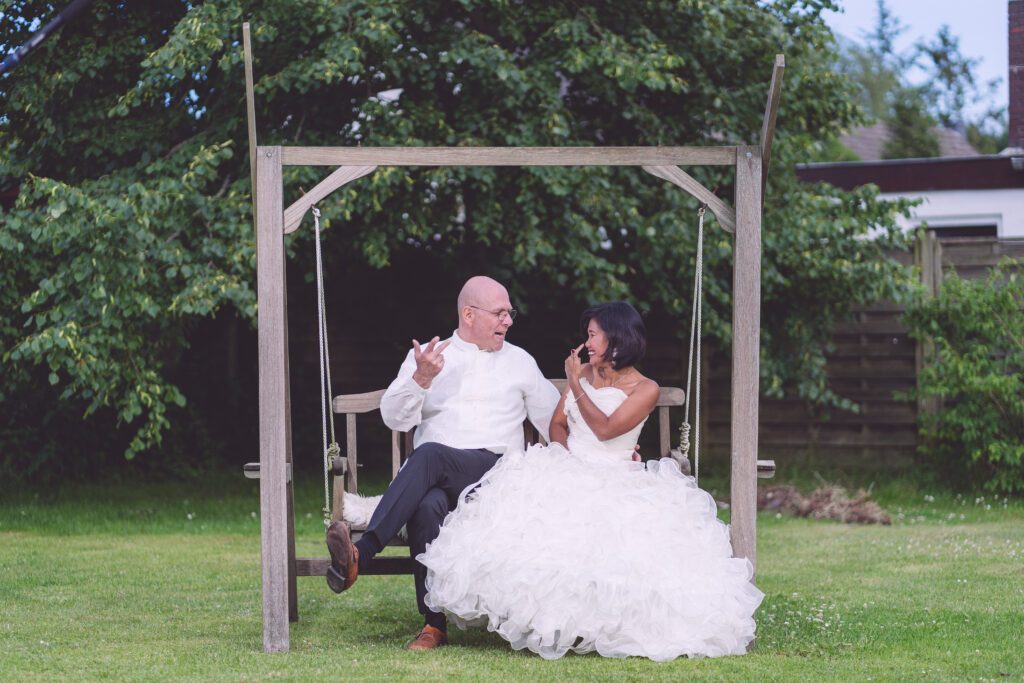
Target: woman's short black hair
{"type": "Point", "coordinates": [625, 330]}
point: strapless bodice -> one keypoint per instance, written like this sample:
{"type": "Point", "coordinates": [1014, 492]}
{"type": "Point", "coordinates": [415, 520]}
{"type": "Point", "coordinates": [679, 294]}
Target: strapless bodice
{"type": "Point", "coordinates": [583, 441]}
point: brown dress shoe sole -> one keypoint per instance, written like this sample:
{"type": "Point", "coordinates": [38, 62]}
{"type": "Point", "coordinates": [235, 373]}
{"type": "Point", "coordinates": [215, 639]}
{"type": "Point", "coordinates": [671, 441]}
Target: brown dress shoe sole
{"type": "Point", "coordinates": [341, 574]}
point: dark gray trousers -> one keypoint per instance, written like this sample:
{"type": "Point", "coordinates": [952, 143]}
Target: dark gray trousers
{"type": "Point", "coordinates": [425, 490]}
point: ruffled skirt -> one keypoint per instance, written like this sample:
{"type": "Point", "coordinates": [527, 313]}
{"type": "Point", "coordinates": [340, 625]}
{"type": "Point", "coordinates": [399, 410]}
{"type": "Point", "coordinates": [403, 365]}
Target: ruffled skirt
{"type": "Point", "coordinates": [558, 551]}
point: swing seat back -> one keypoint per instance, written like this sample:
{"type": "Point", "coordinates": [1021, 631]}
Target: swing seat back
{"type": "Point", "coordinates": [351, 405]}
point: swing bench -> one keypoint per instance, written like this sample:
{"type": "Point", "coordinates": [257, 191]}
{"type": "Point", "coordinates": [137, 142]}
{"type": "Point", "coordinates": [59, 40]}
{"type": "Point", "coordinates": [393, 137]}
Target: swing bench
{"type": "Point", "coordinates": [345, 479]}
{"type": "Point", "coordinates": [343, 470]}
{"type": "Point", "coordinates": [273, 219]}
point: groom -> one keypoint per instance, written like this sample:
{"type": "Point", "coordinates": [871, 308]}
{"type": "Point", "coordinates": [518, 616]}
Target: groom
{"type": "Point", "coordinates": [467, 397]}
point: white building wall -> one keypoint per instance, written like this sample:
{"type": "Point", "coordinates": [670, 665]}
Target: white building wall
{"type": "Point", "coordinates": [958, 208]}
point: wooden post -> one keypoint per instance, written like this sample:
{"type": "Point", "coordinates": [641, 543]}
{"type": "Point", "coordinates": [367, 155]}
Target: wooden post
{"type": "Point", "coordinates": [293, 589]}
{"type": "Point", "coordinates": [771, 112]}
{"type": "Point", "coordinates": [250, 117]}
{"type": "Point", "coordinates": [273, 398]}
{"type": "Point", "coordinates": [746, 346]}
{"type": "Point", "coordinates": [928, 256]}
{"type": "Point", "coordinates": [703, 427]}
{"type": "Point", "coordinates": [351, 453]}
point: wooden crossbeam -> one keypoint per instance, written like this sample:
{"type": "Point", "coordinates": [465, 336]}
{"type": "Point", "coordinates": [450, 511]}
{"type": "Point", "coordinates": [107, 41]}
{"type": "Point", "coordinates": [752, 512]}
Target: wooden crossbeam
{"type": "Point", "coordinates": [508, 156]}
{"type": "Point", "coordinates": [771, 112]}
{"type": "Point", "coordinates": [725, 214]}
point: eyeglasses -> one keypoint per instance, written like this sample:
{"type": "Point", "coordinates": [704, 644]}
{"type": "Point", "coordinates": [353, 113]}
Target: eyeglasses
{"type": "Point", "coordinates": [499, 314]}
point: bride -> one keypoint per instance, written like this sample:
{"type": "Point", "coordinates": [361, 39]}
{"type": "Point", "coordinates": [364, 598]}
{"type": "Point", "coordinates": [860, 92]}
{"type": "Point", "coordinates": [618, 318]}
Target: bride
{"type": "Point", "coordinates": [573, 546]}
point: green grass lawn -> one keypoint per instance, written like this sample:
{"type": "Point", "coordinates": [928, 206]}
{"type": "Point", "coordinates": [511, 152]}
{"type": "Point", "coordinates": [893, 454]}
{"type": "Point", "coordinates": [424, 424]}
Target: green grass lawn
{"type": "Point", "coordinates": [161, 582]}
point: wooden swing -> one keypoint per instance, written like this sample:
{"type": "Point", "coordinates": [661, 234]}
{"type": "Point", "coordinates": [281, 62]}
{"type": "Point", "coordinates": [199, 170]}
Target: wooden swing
{"type": "Point", "coordinates": [273, 221]}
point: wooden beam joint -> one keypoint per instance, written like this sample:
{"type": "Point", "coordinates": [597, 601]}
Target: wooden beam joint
{"type": "Point", "coordinates": [340, 177]}
{"type": "Point", "coordinates": [725, 214]}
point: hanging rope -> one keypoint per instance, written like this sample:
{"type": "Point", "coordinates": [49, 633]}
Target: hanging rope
{"type": "Point", "coordinates": [695, 336]}
{"type": "Point", "coordinates": [331, 448]}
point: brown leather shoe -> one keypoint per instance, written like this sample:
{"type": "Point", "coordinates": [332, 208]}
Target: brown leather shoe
{"type": "Point", "coordinates": [428, 639]}
{"type": "Point", "coordinates": [344, 569]}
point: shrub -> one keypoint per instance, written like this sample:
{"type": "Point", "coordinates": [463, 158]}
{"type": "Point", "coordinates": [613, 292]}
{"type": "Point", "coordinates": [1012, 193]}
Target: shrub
{"type": "Point", "coordinates": [975, 371]}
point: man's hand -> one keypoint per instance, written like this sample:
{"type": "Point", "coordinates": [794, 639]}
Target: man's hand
{"type": "Point", "coordinates": [573, 364]}
{"type": "Point", "coordinates": [429, 361]}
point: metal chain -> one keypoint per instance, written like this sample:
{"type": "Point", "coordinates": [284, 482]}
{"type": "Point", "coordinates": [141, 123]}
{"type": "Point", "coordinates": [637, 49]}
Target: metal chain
{"type": "Point", "coordinates": [695, 338]}
{"type": "Point", "coordinates": [331, 449]}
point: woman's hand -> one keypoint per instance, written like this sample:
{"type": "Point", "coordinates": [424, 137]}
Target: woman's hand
{"type": "Point", "coordinates": [573, 364]}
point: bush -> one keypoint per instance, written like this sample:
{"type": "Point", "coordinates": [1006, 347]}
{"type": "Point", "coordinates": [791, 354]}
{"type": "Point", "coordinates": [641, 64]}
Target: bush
{"type": "Point", "coordinates": [977, 329]}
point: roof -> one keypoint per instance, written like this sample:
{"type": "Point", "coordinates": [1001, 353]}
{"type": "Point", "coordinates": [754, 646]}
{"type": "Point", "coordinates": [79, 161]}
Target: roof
{"type": "Point", "coordinates": [987, 172]}
{"type": "Point", "coordinates": [868, 142]}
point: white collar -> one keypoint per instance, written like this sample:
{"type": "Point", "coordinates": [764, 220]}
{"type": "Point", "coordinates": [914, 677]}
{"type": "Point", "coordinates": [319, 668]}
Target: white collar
{"type": "Point", "coordinates": [463, 345]}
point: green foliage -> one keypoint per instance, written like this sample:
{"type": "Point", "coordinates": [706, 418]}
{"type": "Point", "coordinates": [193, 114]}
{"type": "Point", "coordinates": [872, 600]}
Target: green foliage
{"type": "Point", "coordinates": [831, 149]}
{"type": "Point", "coordinates": [127, 137]}
{"type": "Point", "coordinates": [910, 135]}
{"type": "Point", "coordinates": [977, 371]}
{"type": "Point", "coordinates": [115, 281]}
{"type": "Point", "coordinates": [988, 140]}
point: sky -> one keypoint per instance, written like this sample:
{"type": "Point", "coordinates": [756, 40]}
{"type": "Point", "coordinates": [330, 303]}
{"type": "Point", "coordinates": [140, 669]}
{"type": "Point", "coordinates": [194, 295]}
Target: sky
{"type": "Point", "coordinates": [981, 26]}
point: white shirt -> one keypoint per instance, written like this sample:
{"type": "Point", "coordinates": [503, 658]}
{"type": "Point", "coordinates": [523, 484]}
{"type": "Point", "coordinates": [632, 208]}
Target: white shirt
{"type": "Point", "coordinates": [478, 400]}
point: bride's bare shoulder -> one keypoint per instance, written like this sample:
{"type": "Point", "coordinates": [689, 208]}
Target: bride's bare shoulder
{"type": "Point", "coordinates": [645, 386]}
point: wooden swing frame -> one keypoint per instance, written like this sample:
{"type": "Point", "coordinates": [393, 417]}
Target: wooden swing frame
{"type": "Point", "coordinates": [273, 220]}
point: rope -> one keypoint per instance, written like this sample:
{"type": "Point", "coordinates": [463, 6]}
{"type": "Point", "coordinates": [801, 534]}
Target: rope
{"type": "Point", "coordinates": [695, 334]}
{"type": "Point", "coordinates": [331, 449]}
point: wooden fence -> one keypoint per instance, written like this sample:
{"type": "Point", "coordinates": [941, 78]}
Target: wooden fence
{"type": "Point", "coordinates": [873, 360]}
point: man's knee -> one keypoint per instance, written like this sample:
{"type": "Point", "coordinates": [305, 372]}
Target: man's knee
{"type": "Point", "coordinates": [427, 455]}
{"type": "Point", "coordinates": [428, 450]}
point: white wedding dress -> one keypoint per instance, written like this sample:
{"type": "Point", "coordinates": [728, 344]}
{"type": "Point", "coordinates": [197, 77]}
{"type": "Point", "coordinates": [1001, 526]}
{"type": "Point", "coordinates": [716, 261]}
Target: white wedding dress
{"type": "Point", "coordinates": [583, 549]}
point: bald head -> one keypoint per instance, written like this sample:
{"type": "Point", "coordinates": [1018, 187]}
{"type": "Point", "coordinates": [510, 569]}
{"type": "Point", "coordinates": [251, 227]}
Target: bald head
{"type": "Point", "coordinates": [478, 289]}
{"type": "Point", "coordinates": [481, 318]}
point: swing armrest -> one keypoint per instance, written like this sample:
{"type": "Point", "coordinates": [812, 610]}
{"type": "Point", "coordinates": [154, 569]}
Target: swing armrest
{"type": "Point", "coordinates": [251, 470]}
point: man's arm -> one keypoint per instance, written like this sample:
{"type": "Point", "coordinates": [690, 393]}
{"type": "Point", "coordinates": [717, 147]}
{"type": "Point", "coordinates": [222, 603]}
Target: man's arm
{"type": "Point", "coordinates": [401, 406]}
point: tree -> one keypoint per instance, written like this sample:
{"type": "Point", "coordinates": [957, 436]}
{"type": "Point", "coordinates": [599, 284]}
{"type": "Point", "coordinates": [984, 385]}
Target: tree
{"type": "Point", "coordinates": [910, 126]}
{"type": "Point", "coordinates": [952, 84]}
{"type": "Point", "coordinates": [952, 87]}
{"type": "Point", "coordinates": [877, 66]}
{"type": "Point", "coordinates": [949, 89]}
{"type": "Point", "coordinates": [128, 139]}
